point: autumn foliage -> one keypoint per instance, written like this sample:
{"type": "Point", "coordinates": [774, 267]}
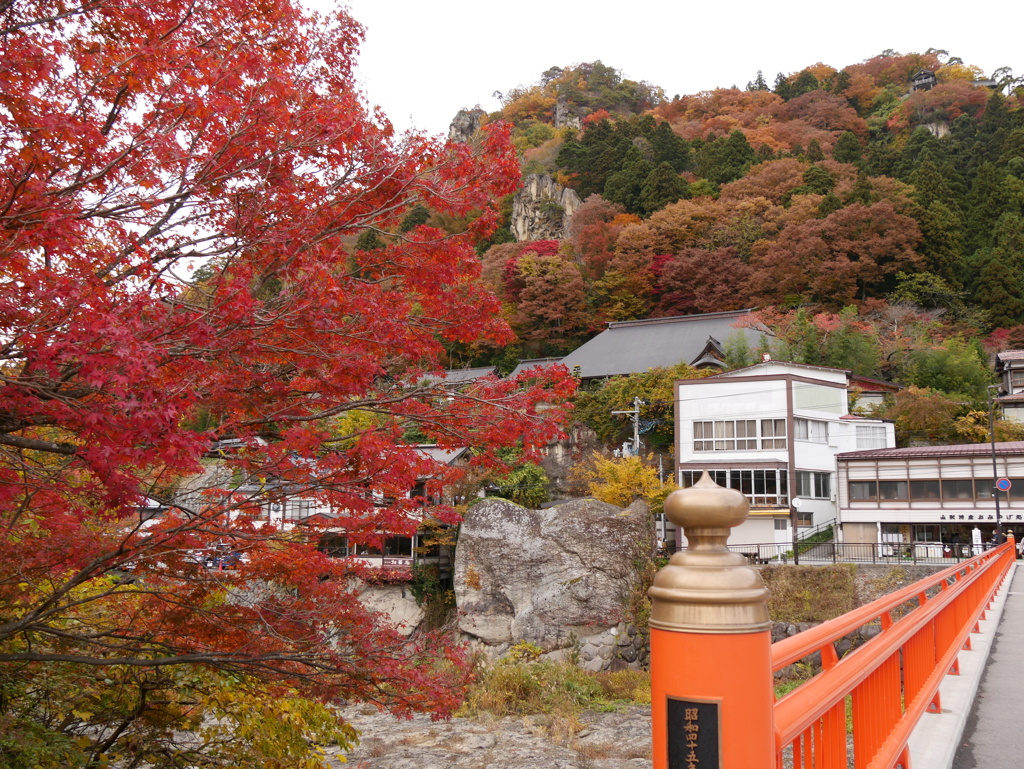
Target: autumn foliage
{"type": "Point", "coordinates": [182, 183]}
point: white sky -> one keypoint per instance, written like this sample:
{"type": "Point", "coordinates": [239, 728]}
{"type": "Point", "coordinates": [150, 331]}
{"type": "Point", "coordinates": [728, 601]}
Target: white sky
{"type": "Point", "coordinates": [423, 60]}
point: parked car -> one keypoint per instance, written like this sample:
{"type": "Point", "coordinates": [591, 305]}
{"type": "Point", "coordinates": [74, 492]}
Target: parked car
{"type": "Point", "coordinates": [223, 558]}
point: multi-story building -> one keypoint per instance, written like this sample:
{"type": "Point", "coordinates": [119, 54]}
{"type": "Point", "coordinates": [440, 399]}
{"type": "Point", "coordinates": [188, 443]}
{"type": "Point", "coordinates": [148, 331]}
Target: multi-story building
{"type": "Point", "coordinates": [772, 431]}
{"type": "Point", "coordinates": [945, 496]}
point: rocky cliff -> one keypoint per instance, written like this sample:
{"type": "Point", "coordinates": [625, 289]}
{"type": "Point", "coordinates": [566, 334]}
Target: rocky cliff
{"type": "Point", "coordinates": [465, 123]}
{"type": "Point", "coordinates": [542, 209]}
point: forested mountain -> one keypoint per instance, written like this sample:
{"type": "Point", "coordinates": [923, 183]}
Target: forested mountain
{"type": "Point", "coordinates": [830, 189]}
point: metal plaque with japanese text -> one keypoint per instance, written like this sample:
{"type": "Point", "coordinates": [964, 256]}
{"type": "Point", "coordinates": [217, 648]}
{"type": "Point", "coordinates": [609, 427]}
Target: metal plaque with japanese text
{"type": "Point", "coordinates": [693, 735]}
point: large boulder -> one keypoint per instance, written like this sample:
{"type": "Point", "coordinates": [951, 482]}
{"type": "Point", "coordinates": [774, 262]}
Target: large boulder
{"type": "Point", "coordinates": [561, 578]}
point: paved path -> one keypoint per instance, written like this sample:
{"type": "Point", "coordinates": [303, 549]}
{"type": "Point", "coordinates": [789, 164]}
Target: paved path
{"type": "Point", "coordinates": [982, 721]}
{"type": "Point", "coordinates": [994, 734]}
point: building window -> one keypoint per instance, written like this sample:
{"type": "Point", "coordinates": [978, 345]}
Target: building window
{"type": "Point", "coordinates": [861, 490]}
{"type": "Point", "coordinates": [334, 545]}
{"type": "Point", "coordinates": [984, 488]}
{"type": "Point", "coordinates": [924, 490]}
{"type": "Point", "coordinates": [739, 435]}
{"type": "Point", "coordinates": [813, 485]}
{"type": "Point", "coordinates": [893, 490]}
{"type": "Point", "coordinates": [297, 509]}
{"type": "Point", "coordinates": [958, 489]}
{"type": "Point", "coordinates": [811, 430]}
{"type": "Point", "coordinates": [781, 524]}
{"type": "Point", "coordinates": [398, 546]}
{"type": "Point", "coordinates": [688, 477]}
{"type": "Point", "coordinates": [763, 488]}
{"type": "Point", "coordinates": [773, 433]}
{"type": "Point", "coordinates": [870, 437]}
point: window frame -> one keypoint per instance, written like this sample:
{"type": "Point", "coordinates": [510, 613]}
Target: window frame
{"type": "Point", "coordinates": [810, 430]}
{"type": "Point", "coordinates": [870, 434]}
{"type": "Point", "coordinates": [724, 435]}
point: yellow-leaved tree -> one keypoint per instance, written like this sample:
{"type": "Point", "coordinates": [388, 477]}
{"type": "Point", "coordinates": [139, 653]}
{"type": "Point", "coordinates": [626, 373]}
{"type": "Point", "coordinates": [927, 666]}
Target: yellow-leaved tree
{"type": "Point", "coordinates": [622, 480]}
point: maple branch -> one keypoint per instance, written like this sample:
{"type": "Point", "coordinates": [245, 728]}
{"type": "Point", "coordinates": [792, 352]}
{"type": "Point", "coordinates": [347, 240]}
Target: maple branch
{"type": "Point", "coordinates": [37, 444]}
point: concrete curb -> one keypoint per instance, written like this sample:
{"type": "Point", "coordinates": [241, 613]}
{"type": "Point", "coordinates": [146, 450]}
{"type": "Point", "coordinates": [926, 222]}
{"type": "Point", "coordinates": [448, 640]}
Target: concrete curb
{"type": "Point", "coordinates": [935, 740]}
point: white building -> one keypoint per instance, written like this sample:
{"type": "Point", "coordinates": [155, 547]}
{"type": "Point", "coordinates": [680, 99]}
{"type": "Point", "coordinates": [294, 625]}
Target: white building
{"type": "Point", "coordinates": [1010, 368]}
{"type": "Point", "coordinates": [285, 507]}
{"type": "Point", "coordinates": [930, 494]}
{"type": "Point", "coordinates": [772, 431]}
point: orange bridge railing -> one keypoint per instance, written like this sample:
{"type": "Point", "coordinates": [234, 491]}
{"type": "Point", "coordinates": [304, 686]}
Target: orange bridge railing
{"type": "Point", "coordinates": [889, 682]}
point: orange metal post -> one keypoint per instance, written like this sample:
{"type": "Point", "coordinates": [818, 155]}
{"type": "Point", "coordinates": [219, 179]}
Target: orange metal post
{"type": "Point", "coordinates": [712, 701]}
{"type": "Point", "coordinates": [733, 671]}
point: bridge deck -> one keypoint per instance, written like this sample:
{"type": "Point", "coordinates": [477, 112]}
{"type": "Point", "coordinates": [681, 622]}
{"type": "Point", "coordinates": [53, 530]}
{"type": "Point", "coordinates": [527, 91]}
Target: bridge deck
{"type": "Point", "coordinates": [982, 721]}
{"type": "Point", "coordinates": [994, 733]}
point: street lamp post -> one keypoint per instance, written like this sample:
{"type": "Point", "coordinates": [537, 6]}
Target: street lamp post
{"type": "Point", "coordinates": [995, 471]}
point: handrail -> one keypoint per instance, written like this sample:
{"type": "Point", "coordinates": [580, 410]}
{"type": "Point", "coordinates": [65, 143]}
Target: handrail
{"type": "Point", "coordinates": [801, 535]}
{"type": "Point", "coordinates": [891, 679]}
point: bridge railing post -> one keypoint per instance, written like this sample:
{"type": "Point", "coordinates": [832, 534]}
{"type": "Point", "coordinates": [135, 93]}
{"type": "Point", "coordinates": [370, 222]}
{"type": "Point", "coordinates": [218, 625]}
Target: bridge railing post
{"type": "Point", "coordinates": [712, 700]}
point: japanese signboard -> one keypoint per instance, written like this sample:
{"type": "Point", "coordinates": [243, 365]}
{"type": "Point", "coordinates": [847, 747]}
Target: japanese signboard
{"type": "Point", "coordinates": [693, 735]}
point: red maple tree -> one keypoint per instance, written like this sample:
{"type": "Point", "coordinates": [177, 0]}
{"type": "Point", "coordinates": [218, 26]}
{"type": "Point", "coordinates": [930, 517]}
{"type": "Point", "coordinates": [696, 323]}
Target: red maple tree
{"type": "Point", "coordinates": [143, 140]}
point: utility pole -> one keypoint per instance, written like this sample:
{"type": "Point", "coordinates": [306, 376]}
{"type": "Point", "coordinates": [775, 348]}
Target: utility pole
{"type": "Point", "coordinates": [634, 414]}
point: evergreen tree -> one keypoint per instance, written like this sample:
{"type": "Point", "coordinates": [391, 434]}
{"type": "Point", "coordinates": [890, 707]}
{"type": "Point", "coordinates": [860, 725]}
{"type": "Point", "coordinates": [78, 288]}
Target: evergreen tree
{"type": "Point", "coordinates": [759, 83]}
{"type": "Point", "coordinates": [661, 187]}
{"type": "Point", "coordinates": [724, 160]}
{"type": "Point", "coordinates": [418, 214]}
{"type": "Point", "coordinates": [998, 290]}
{"type": "Point", "coordinates": [369, 240]}
{"type": "Point", "coordinates": [805, 82]}
{"type": "Point", "coordinates": [737, 349]}
{"type": "Point", "coordinates": [861, 192]}
{"type": "Point", "coordinates": [847, 148]}
{"type": "Point", "coordinates": [934, 182]}
{"type": "Point", "coordinates": [783, 88]}
{"type": "Point", "coordinates": [963, 135]}
{"type": "Point", "coordinates": [881, 158]}
{"type": "Point", "coordinates": [921, 145]}
{"type": "Point", "coordinates": [840, 82]}
{"type": "Point", "coordinates": [668, 147]}
{"type": "Point", "coordinates": [626, 185]}
{"type": "Point", "coordinates": [985, 204]}
{"type": "Point", "coordinates": [829, 204]}
{"type": "Point", "coordinates": [942, 241]}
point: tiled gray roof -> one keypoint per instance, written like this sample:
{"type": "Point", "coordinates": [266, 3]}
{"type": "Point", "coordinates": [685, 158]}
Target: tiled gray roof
{"type": "Point", "coordinates": [532, 363]}
{"type": "Point", "coordinates": [627, 347]}
{"type": "Point", "coordinates": [459, 375]}
{"type": "Point", "coordinates": [444, 456]}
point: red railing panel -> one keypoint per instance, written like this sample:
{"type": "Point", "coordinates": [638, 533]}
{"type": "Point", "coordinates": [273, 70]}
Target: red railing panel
{"type": "Point", "coordinates": [891, 679]}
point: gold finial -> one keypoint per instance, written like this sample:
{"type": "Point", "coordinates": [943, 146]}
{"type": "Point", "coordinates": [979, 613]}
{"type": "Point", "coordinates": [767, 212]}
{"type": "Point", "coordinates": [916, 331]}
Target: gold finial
{"type": "Point", "coordinates": [706, 588]}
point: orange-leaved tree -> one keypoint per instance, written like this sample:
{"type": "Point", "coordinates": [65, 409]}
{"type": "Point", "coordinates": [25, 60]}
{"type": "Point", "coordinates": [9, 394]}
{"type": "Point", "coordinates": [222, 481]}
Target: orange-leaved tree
{"type": "Point", "coordinates": [144, 139]}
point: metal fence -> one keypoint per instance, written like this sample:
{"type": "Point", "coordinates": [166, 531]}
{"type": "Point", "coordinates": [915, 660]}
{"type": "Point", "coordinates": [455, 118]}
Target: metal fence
{"type": "Point", "coordinates": [936, 553]}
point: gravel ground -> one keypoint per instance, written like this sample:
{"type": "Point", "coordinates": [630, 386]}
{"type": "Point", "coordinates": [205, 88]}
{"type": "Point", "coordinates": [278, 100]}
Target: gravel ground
{"type": "Point", "coordinates": [616, 740]}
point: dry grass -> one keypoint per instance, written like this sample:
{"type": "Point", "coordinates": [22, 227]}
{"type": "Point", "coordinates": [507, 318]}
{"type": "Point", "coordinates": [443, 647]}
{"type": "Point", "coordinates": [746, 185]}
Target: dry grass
{"type": "Point", "coordinates": [810, 593]}
{"type": "Point", "coordinates": [553, 694]}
